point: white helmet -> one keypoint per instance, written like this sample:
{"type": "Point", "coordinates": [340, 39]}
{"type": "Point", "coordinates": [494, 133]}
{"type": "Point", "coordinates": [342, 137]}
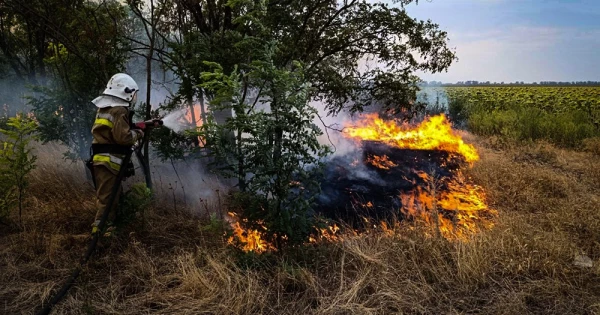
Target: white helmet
{"type": "Point", "coordinates": [121, 86]}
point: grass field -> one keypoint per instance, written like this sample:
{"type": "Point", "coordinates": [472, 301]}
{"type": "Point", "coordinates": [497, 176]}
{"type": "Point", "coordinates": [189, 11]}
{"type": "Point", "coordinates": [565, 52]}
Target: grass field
{"type": "Point", "coordinates": [179, 263]}
{"type": "Point", "coordinates": [566, 116]}
{"type": "Point", "coordinates": [551, 99]}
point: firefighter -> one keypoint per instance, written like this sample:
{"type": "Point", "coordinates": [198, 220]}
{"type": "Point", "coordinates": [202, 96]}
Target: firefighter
{"type": "Point", "coordinates": [112, 140]}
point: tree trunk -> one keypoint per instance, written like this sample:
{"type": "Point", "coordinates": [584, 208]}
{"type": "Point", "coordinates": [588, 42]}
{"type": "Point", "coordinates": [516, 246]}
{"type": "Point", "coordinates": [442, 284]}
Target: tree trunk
{"type": "Point", "coordinates": [202, 116]}
{"type": "Point", "coordinates": [202, 107]}
{"type": "Point", "coordinates": [241, 162]}
{"type": "Point", "coordinates": [190, 103]}
{"type": "Point", "coordinates": [20, 204]}
{"type": "Point", "coordinates": [278, 134]}
{"type": "Point", "coordinates": [277, 152]}
{"type": "Point", "coordinates": [146, 160]}
{"type": "Point", "coordinates": [152, 42]}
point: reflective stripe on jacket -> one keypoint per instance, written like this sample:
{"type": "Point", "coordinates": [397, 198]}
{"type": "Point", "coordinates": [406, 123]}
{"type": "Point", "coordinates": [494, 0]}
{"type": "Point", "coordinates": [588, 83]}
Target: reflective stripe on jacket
{"type": "Point", "coordinates": [112, 127]}
{"type": "Point", "coordinates": [111, 160]}
{"type": "Point", "coordinates": [104, 119]}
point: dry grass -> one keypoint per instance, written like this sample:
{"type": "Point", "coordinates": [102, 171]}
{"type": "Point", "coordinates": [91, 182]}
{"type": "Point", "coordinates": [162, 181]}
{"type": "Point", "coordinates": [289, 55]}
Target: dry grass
{"type": "Point", "coordinates": [548, 204]}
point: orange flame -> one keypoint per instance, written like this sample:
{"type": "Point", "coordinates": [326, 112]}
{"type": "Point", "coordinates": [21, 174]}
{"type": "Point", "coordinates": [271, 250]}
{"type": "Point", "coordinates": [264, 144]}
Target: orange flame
{"type": "Point", "coordinates": [247, 239]}
{"type": "Point", "coordinates": [382, 162]}
{"type": "Point", "coordinates": [434, 133]}
{"type": "Point", "coordinates": [332, 233]}
{"type": "Point", "coordinates": [193, 117]}
{"type": "Point", "coordinates": [457, 211]}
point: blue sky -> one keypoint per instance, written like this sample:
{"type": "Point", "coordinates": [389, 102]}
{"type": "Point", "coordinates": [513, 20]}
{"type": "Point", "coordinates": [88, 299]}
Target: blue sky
{"type": "Point", "coordinates": [524, 40]}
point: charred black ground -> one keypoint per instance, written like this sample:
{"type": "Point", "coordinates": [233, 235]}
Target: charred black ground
{"type": "Point", "coordinates": [353, 188]}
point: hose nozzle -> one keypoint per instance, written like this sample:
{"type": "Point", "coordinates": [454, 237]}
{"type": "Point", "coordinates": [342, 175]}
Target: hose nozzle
{"type": "Point", "coordinates": [153, 123]}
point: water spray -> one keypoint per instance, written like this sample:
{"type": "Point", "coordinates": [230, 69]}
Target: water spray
{"type": "Point", "coordinates": [178, 120]}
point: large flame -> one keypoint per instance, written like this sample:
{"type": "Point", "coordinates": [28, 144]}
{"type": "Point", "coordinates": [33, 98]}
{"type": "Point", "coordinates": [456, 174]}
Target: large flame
{"type": "Point", "coordinates": [193, 115]}
{"type": "Point", "coordinates": [434, 133]}
{"type": "Point", "coordinates": [453, 206]}
{"type": "Point", "coordinates": [457, 210]}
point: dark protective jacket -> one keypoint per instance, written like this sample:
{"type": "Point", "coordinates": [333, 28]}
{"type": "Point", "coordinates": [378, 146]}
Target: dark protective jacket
{"type": "Point", "coordinates": [112, 127]}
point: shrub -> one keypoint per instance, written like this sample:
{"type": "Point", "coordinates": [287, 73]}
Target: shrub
{"type": "Point", "coordinates": [16, 161]}
{"type": "Point", "coordinates": [134, 202]}
{"type": "Point", "coordinates": [501, 123]}
{"type": "Point", "coordinates": [457, 110]}
{"type": "Point", "coordinates": [272, 150]}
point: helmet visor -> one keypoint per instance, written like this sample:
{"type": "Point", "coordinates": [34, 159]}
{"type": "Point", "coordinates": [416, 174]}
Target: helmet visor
{"type": "Point", "coordinates": [135, 97]}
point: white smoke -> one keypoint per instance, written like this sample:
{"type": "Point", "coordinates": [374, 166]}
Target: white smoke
{"type": "Point", "coordinates": [187, 184]}
{"type": "Point", "coordinates": [435, 98]}
{"type": "Point", "coordinates": [333, 128]}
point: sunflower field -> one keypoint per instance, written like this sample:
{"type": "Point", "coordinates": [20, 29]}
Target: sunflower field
{"type": "Point", "coordinates": [567, 116]}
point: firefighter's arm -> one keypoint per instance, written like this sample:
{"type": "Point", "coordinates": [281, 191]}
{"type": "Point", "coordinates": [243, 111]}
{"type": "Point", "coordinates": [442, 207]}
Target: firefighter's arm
{"type": "Point", "coordinates": [122, 133]}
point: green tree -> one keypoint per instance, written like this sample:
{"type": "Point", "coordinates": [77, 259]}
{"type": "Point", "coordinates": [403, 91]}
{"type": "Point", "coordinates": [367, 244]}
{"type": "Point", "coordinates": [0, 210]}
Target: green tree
{"type": "Point", "coordinates": [275, 149]}
{"type": "Point", "coordinates": [263, 61]}
{"type": "Point", "coordinates": [16, 162]}
{"type": "Point", "coordinates": [72, 49]}
{"type": "Point", "coordinates": [331, 38]}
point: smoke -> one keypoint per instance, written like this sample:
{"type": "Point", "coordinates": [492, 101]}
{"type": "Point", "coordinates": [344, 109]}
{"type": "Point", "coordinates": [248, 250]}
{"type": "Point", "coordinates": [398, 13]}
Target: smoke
{"type": "Point", "coordinates": [188, 184]}
{"type": "Point", "coordinates": [13, 96]}
{"type": "Point", "coordinates": [435, 100]}
{"type": "Point", "coordinates": [179, 184]}
{"type": "Point", "coordinates": [332, 128]}
{"type": "Point", "coordinates": [346, 151]}
{"type": "Point", "coordinates": [164, 84]}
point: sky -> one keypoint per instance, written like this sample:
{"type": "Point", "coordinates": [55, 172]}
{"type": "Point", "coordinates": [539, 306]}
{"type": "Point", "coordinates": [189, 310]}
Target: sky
{"type": "Point", "coordinates": [517, 40]}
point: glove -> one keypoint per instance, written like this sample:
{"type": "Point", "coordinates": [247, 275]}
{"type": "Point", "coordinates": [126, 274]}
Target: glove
{"type": "Point", "coordinates": [141, 125]}
{"type": "Point", "coordinates": [140, 134]}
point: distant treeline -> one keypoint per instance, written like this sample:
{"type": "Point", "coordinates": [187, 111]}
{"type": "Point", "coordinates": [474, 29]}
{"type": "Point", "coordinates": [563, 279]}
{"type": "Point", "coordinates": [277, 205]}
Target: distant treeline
{"type": "Point", "coordinates": [516, 83]}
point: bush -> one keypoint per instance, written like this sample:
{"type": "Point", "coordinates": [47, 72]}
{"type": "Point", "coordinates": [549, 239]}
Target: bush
{"type": "Point", "coordinates": [457, 111]}
{"type": "Point", "coordinates": [567, 129]}
{"type": "Point", "coordinates": [259, 213]}
{"type": "Point", "coordinates": [16, 161]}
{"type": "Point", "coordinates": [272, 150]}
{"type": "Point", "coordinates": [502, 123]}
{"type": "Point", "coordinates": [134, 202]}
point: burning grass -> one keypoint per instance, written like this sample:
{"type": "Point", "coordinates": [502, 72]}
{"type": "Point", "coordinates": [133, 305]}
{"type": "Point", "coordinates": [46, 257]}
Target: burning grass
{"type": "Point", "coordinates": [406, 173]}
{"type": "Point", "coordinates": [435, 133]}
{"type": "Point", "coordinates": [398, 187]}
{"type": "Point", "coordinates": [179, 263]}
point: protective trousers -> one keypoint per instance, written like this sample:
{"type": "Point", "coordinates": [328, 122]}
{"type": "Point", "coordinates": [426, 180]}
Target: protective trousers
{"type": "Point", "coordinates": [105, 181]}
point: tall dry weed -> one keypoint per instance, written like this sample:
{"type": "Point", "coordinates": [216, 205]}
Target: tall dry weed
{"type": "Point", "coordinates": [546, 198]}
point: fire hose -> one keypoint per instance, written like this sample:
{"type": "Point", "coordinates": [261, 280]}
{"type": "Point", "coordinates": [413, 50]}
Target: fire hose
{"type": "Point", "coordinates": [46, 308]}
